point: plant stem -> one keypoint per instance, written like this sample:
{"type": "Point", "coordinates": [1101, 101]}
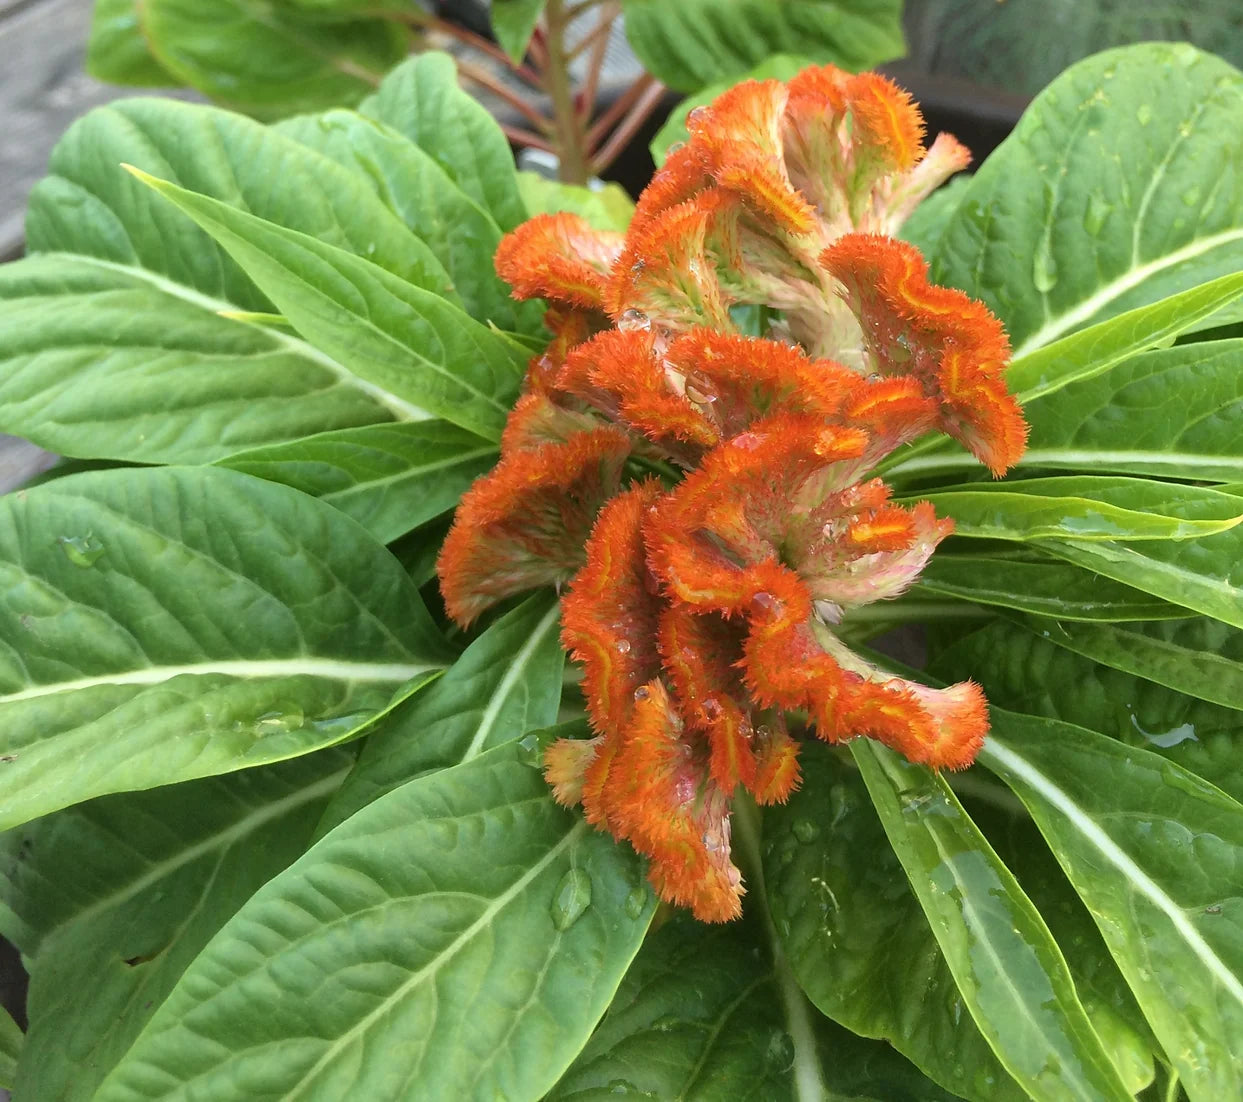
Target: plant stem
{"type": "Point", "coordinates": [1173, 1088]}
{"type": "Point", "coordinates": [628, 127]}
{"type": "Point", "coordinates": [617, 110]}
{"type": "Point", "coordinates": [467, 36]}
{"type": "Point", "coordinates": [571, 146]}
{"type": "Point", "coordinates": [808, 1081]}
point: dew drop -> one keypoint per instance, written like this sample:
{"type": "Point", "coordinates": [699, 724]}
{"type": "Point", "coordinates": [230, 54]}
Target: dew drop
{"type": "Point", "coordinates": [531, 750]}
{"type": "Point", "coordinates": [642, 693]}
{"type": "Point", "coordinates": [712, 842]}
{"type": "Point", "coordinates": [634, 319]}
{"type": "Point", "coordinates": [82, 551]}
{"type": "Point", "coordinates": [1044, 268]}
{"type": "Point", "coordinates": [571, 899]}
{"type": "Point", "coordinates": [622, 646]}
{"type": "Point", "coordinates": [696, 115]}
{"type": "Point", "coordinates": [711, 708]}
{"type": "Point", "coordinates": [805, 831]}
{"type": "Point", "coordinates": [1094, 217]}
{"type": "Point", "coordinates": [636, 902]}
{"type": "Point", "coordinates": [779, 1056]}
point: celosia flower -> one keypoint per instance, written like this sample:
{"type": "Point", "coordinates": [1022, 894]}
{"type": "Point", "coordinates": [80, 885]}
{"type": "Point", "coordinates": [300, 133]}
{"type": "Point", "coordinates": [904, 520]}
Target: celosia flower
{"type": "Point", "coordinates": [704, 609]}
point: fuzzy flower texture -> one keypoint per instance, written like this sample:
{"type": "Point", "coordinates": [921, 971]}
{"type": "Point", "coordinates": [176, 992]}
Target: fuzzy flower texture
{"type": "Point", "coordinates": [703, 612]}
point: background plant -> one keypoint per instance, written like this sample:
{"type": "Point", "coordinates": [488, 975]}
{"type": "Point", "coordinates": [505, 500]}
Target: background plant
{"type": "Point", "coordinates": [219, 887]}
{"type": "Point", "coordinates": [271, 59]}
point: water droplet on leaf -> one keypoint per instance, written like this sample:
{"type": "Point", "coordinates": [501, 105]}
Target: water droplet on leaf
{"type": "Point", "coordinates": [1044, 268]}
{"type": "Point", "coordinates": [571, 898]}
{"type": "Point", "coordinates": [636, 902]}
{"type": "Point", "coordinates": [82, 551]}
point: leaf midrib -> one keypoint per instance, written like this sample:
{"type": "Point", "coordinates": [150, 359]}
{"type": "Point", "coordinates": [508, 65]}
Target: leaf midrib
{"type": "Point", "coordinates": [399, 407]}
{"type": "Point", "coordinates": [305, 665]}
{"type": "Point", "coordinates": [1133, 874]}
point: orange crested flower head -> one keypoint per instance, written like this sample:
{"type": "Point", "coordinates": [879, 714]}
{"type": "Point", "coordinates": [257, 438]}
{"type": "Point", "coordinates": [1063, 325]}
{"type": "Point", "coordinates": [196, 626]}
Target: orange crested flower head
{"type": "Point", "coordinates": [759, 342]}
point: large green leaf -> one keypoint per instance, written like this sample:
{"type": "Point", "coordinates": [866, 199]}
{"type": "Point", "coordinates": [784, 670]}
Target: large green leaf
{"type": "Point", "coordinates": [513, 22]}
{"type": "Point", "coordinates": [1176, 412]}
{"type": "Point", "coordinates": [1116, 189]}
{"type": "Point", "coordinates": [505, 684]}
{"type": "Point", "coordinates": [457, 229]}
{"type": "Point", "coordinates": [400, 337]}
{"type": "Point", "coordinates": [856, 937]}
{"type": "Point", "coordinates": [684, 1026]}
{"type": "Point", "coordinates": [125, 891]}
{"type": "Point", "coordinates": [421, 100]}
{"type": "Point", "coordinates": [87, 204]}
{"type": "Point", "coordinates": [161, 624]}
{"type": "Point", "coordinates": [458, 938]}
{"type": "Point", "coordinates": [103, 361]}
{"type": "Point", "coordinates": [268, 59]}
{"type": "Point", "coordinates": [389, 478]}
{"type": "Point", "coordinates": [117, 52]}
{"type": "Point", "coordinates": [1040, 586]}
{"type": "Point", "coordinates": [697, 42]}
{"type": "Point", "coordinates": [1011, 974]}
{"type": "Point", "coordinates": [1204, 574]}
{"type": "Point", "coordinates": [1087, 507]}
{"type": "Point", "coordinates": [1155, 852]}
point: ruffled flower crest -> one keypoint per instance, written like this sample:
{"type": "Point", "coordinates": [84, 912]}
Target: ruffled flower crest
{"type": "Point", "coordinates": [705, 608]}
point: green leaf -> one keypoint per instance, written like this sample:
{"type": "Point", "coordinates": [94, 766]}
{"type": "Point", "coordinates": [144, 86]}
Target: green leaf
{"type": "Point", "coordinates": [161, 624]}
{"type": "Point", "coordinates": [856, 938]}
{"type": "Point", "coordinates": [459, 232]}
{"type": "Point", "coordinates": [673, 130]}
{"type": "Point", "coordinates": [1154, 852]}
{"type": "Point", "coordinates": [1204, 574]}
{"type": "Point", "coordinates": [1088, 353]}
{"type": "Point", "coordinates": [1117, 188]}
{"type": "Point", "coordinates": [267, 59]}
{"type": "Point", "coordinates": [398, 336]}
{"type": "Point", "coordinates": [88, 205]}
{"type": "Point", "coordinates": [421, 100]}
{"type": "Point", "coordinates": [463, 926]}
{"type": "Point", "coordinates": [101, 361]}
{"type": "Point", "coordinates": [506, 683]}
{"type": "Point", "coordinates": [1043, 587]}
{"type": "Point", "coordinates": [1177, 412]}
{"type": "Point", "coordinates": [117, 53]}
{"type": "Point", "coordinates": [11, 1041]}
{"type": "Point", "coordinates": [389, 478]}
{"type": "Point", "coordinates": [1197, 656]}
{"type": "Point", "coordinates": [697, 42]}
{"type": "Point", "coordinates": [1087, 507]}
{"type": "Point", "coordinates": [1010, 972]}
{"type": "Point", "coordinates": [126, 890]}
{"type": "Point", "coordinates": [513, 22]}
{"type": "Point", "coordinates": [605, 208]}
{"type": "Point", "coordinates": [683, 1026]}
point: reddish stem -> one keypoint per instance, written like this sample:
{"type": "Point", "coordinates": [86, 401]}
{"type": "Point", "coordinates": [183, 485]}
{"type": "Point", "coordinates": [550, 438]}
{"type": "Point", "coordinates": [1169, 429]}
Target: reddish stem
{"type": "Point", "coordinates": [629, 126]}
